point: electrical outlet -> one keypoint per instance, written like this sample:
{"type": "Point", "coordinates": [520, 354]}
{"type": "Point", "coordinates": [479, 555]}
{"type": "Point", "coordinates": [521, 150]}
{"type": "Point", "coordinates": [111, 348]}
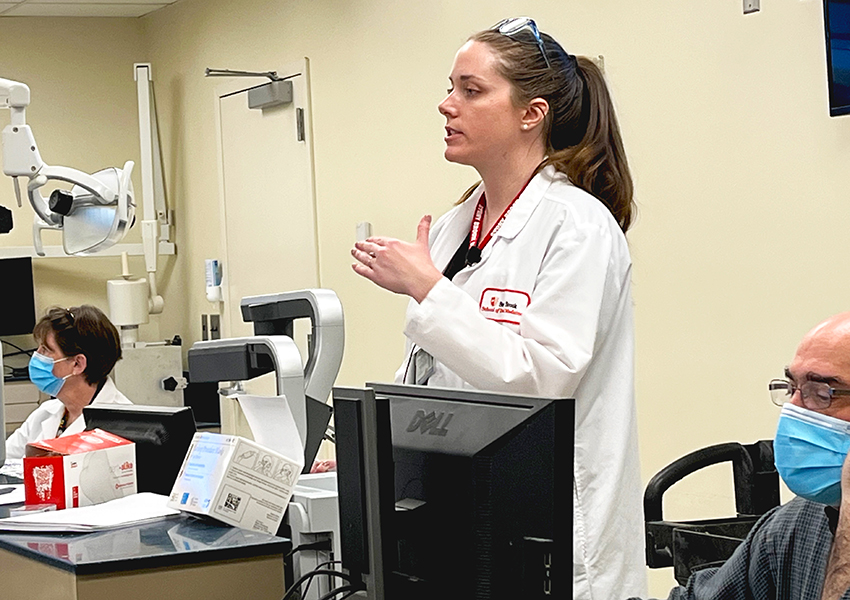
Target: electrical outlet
{"type": "Point", "coordinates": [751, 6]}
{"type": "Point", "coordinates": [215, 327]}
{"type": "Point", "coordinates": [205, 331]}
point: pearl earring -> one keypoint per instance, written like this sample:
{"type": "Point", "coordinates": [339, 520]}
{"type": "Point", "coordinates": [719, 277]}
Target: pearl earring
{"type": "Point", "coordinates": [525, 126]}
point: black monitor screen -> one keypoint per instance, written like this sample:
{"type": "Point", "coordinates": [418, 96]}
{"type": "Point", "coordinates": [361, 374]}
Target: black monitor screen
{"type": "Point", "coordinates": [836, 14]}
{"type": "Point", "coordinates": [17, 306]}
{"type": "Point", "coordinates": [162, 435]}
{"type": "Point", "coordinates": [479, 503]}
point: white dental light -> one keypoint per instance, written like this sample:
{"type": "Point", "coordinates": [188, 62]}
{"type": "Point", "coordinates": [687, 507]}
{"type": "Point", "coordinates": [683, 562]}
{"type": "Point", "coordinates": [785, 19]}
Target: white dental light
{"type": "Point", "coordinates": [94, 215]}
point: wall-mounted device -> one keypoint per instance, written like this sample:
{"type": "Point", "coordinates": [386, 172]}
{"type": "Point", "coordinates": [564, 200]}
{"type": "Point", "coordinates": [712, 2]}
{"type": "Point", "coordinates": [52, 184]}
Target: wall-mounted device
{"type": "Point", "coordinates": [213, 280]}
{"type": "Point", "coordinates": [18, 314]}
{"type": "Point", "coordinates": [836, 17]}
{"type": "Point", "coordinates": [93, 215]}
{"type": "Point", "coordinates": [276, 92]}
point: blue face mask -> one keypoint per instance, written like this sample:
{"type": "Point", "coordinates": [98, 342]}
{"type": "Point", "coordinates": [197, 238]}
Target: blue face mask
{"type": "Point", "coordinates": [41, 374]}
{"type": "Point", "coordinates": [809, 451]}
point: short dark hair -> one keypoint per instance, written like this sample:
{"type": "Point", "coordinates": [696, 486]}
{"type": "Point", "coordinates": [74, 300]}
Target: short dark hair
{"type": "Point", "coordinates": [83, 330]}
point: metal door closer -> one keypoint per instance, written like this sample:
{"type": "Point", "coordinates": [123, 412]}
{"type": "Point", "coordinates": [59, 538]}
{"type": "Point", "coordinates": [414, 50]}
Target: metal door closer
{"type": "Point", "coordinates": [313, 514]}
{"type": "Point", "coordinates": [689, 546]}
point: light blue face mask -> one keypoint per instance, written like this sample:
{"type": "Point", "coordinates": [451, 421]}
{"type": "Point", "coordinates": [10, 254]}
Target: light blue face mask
{"type": "Point", "coordinates": [809, 451]}
{"type": "Point", "coordinates": [41, 374]}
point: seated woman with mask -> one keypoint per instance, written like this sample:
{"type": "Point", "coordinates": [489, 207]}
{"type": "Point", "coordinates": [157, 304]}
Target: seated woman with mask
{"type": "Point", "coordinates": [77, 349]}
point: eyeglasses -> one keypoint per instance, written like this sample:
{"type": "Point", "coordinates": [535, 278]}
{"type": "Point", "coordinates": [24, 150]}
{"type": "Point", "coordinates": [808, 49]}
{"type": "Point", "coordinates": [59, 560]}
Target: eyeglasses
{"type": "Point", "coordinates": [511, 27]}
{"type": "Point", "coordinates": [815, 394]}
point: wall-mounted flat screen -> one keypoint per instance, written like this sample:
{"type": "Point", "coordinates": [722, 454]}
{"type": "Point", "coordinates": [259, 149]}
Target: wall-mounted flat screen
{"type": "Point", "coordinates": [836, 16]}
{"type": "Point", "coordinates": [17, 299]}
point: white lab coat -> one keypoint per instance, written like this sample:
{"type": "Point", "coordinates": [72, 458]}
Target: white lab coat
{"type": "Point", "coordinates": [43, 422]}
{"type": "Point", "coordinates": [548, 312]}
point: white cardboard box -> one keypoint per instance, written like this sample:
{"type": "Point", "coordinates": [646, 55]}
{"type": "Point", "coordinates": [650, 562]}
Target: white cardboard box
{"type": "Point", "coordinates": [236, 481]}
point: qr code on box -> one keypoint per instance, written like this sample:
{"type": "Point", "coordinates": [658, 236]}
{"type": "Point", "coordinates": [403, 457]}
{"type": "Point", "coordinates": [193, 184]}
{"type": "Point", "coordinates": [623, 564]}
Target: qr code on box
{"type": "Point", "coordinates": [232, 502]}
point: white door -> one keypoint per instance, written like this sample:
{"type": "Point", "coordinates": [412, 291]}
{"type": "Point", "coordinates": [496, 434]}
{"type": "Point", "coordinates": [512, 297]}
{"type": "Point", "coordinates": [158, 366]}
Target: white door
{"type": "Point", "coordinates": [268, 199]}
{"type": "Point", "coordinates": [269, 217]}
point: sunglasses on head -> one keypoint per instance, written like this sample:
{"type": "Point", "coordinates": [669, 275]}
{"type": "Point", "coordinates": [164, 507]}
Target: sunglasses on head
{"type": "Point", "coordinates": [511, 27]}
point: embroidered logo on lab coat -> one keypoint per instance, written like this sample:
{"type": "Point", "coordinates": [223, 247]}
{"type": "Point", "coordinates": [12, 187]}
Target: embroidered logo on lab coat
{"type": "Point", "coordinates": [504, 306]}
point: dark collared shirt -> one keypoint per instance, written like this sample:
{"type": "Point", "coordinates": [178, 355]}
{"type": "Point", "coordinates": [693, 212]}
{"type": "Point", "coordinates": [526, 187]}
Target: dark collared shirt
{"type": "Point", "coordinates": [783, 558]}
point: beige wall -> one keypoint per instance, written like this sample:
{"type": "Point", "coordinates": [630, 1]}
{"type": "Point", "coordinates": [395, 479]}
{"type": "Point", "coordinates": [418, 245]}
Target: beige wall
{"type": "Point", "coordinates": [83, 115]}
{"type": "Point", "coordinates": [742, 179]}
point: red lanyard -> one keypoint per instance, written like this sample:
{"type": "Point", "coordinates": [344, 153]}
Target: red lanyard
{"type": "Point", "coordinates": [473, 254]}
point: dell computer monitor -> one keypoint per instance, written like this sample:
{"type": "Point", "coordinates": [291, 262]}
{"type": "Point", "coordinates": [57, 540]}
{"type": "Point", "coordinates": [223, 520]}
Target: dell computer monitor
{"type": "Point", "coordinates": [162, 435]}
{"type": "Point", "coordinates": [836, 15]}
{"type": "Point", "coordinates": [455, 493]}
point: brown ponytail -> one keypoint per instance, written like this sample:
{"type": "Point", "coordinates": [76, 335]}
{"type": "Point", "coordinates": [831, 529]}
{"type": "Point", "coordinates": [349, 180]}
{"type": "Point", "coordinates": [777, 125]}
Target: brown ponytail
{"type": "Point", "coordinates": [597, 163]}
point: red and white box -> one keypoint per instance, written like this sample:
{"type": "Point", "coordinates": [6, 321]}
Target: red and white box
{"type": "Point", "coordinates": [79, 470]}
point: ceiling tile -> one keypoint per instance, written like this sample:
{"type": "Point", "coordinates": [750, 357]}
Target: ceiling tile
{"type": "Point", "coordinates": [147, 2]}
{"type": "Point", "coordinates": [30, 9]}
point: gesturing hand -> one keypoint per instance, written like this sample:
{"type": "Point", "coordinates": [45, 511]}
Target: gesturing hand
{"type": "Point", "coordinates": [397, 266]}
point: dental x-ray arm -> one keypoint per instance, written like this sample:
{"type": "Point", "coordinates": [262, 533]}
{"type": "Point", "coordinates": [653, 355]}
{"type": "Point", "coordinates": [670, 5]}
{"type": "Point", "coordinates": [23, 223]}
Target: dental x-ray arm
{"type": "Point", "coordinates": [94, 224]}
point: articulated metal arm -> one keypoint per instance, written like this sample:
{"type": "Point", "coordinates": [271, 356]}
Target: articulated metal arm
{"type": "Point", "coordinates": [98, 210]}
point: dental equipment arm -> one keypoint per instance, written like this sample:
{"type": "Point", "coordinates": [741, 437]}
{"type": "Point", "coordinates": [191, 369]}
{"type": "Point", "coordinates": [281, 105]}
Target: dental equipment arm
{"type": "Point", "coordinates": [153, 186]}
{"type": "Point", "coordinates": [94, 215]}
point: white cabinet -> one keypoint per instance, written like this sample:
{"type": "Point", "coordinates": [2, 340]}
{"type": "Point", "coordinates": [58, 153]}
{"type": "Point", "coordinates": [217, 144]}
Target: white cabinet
{"type": "Point", "coordinates": [21, 398]}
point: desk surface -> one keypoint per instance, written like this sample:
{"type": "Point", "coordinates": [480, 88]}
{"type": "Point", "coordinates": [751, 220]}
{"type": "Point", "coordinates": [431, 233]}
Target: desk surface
{"type": "Point", "coordinates": [175, 541]}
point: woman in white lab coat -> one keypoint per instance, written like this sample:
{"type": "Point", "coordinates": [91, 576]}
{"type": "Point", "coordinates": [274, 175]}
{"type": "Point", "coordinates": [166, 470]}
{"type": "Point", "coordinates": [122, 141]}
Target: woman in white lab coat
{"type": "Point", "coordinates": [524, 287]}
{"type": "Point", "coordinates": [77, 348]}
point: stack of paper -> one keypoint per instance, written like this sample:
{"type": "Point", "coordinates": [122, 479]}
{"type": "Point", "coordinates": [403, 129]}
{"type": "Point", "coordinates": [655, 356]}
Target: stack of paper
{"type": "Point", "coordinates": [13, 467]}
{"type": "Point", "coordinates": [12, 494]}
{"type": "Point", "coordinates": [130, 510]}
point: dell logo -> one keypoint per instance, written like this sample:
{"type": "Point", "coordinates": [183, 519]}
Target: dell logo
{"type": "Point", "coordinates": [430, 423]}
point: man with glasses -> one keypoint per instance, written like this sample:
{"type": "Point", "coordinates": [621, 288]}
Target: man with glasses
{"type": "Point", "coordinates": [800, 550]}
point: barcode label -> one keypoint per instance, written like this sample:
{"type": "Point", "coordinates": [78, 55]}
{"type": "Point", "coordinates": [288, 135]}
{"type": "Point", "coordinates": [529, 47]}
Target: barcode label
{"type": "Point", "coordinates": [232, 502]}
